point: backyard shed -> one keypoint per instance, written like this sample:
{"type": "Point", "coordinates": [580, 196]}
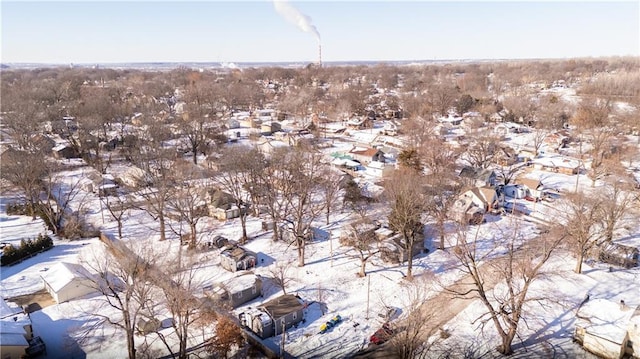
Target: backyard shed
{"type": "Point", "coordinates": [67, 281]}
{"type": "Point", "coordinates": [619, 254]}
{"type": "Point", "coordinates": [235, 258]}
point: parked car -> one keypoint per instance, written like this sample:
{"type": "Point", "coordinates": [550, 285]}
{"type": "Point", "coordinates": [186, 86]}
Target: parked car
{"type": "Point", "coordinates": [381, 335]}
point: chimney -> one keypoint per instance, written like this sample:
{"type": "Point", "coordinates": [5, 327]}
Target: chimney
{"type": "Point", "coordinates": [623, 306]}
{"type": "Point", "coordinates": [319, 54]}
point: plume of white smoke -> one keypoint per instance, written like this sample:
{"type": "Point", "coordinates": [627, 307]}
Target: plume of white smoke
{"type": "Point", "coordinates": [291, 14]}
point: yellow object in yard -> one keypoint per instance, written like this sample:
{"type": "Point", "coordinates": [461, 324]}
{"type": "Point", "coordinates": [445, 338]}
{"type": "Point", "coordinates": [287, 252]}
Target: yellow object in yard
{"type": "Point", "coordinates": [323, 327]}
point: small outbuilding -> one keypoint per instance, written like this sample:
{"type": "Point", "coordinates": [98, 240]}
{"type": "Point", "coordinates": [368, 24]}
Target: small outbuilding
{"type": "Point", "coordinates": [619, 254]}
{"type": "Point", "coordinates": [234, 258]}
{"type": "Point", "coordinates": [68, 281]}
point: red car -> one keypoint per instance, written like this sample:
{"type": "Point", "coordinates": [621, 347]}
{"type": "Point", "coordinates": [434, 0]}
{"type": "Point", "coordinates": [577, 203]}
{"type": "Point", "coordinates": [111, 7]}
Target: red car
{"type": "Point", "coordinates": [381, 335]}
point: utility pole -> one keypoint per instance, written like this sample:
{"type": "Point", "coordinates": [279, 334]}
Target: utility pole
{"type": "Point", "coordinates": [331, 248]}
{"type": "Point", "coordinates": [368, 292]}
{"type": "Point", "coordinates": [282, 342]}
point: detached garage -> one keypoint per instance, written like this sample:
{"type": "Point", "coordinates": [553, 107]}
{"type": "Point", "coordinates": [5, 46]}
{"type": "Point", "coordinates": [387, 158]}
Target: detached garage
{"type": "Point", "coordinates": [67, 281]}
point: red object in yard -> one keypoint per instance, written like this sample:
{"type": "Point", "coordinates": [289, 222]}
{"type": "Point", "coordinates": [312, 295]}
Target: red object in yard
{"type": "Point", "coordinates": [531, 199]}
{"type": "Point", "coordinates": [381, 335]}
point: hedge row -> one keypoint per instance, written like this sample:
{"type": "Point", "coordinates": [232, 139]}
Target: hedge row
{"type": "Point", "coordinates": [27, 248]}
{"type": "Point", "coordinates": [26, 210]}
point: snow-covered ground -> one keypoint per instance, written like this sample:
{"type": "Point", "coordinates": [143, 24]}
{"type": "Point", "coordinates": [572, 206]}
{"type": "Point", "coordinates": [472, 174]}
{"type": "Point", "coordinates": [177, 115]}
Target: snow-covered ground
{"type": "Point", "coordinates": [328, 278]}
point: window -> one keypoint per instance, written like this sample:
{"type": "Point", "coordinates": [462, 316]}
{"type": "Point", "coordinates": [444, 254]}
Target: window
{"type": "Point", "coordinates": [295, 315]}
{"type": "Point", "coordinates": [254, 290]}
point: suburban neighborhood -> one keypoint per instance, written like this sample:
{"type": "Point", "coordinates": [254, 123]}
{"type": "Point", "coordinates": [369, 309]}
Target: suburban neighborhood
{"type": "Point", "coordinates": [447, 210]}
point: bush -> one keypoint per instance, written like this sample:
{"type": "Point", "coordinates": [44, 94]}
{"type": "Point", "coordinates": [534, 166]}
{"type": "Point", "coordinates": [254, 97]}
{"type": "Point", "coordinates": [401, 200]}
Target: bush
{"type": "Point", "coordinates": [26, 210]}
{"type": "Point", "coordinates": [28, 247]}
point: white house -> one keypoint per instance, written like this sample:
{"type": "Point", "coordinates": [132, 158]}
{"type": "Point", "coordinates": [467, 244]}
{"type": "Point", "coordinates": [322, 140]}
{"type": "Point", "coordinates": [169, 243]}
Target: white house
{"type": "Point", "coordinates": [515, 191]}
{"type": "Point", "coordinates": [15, 331]}
{"type": "Point", "coordinates": [67, 281]}
{"type": "Point", "coordinates": [534, 187]}
{"type": "Point", "coordinates": [603, 328]}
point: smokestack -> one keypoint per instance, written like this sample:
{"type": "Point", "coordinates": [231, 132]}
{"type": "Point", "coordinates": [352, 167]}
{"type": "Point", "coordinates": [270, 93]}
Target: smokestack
{"type": "Point", "coordinates": [319, 54]}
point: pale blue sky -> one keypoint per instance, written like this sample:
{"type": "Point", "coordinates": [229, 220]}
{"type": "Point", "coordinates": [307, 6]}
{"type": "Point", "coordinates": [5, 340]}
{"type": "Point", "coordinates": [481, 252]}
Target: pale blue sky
{"type": "Point", "coordinates": [252, 31]}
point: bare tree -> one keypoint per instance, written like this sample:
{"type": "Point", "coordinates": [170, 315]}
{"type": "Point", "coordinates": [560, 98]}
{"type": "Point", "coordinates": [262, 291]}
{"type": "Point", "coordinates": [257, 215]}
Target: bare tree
{"type": "Point", "coordinates": [616, 201]}
{"type": "Point", "coordinates": [517, 269]}
{"type": "Point", "coordinates": [330, 188]}
{"type": "Point", "coordinates": [236, 168]}
{"type": "Point", "coordinates": [157, 182]}
{"type": "Point", "coordinates": [582, 226]}
{"type": "Point", "coordinates": [271, 185]}
{"type": "Point", "coordinates": [442, 97]}
{"type": "Point", "coordinates": [118, 207]}
{"type": "Point", "coordinates": [281, 275]}
{"type": "Point", "coordinates": [481, 151]}
{"type": "Point", "coordinates": [26, 171]}
{"type": "Point", "coordinates": [415, 329]}
{"type": "Point", "coordinates": [601, 148]}
{"type": "Point", "coordinates": [442, 193]}
{"type": "Point", "coordinates": [186, 309]}
{"type": "Point", "coordinates": [360, 236]}
{"type": "Point", "coordinates": [122, 279]}
{"type": "Point", "coordinates": [302, 167]}
{"type": "Point", "coordinates": [403, 191]}
{"type": "Point", "coordinates": [188, 205]}
{"type": "Point", "coordinates": [62, 197]}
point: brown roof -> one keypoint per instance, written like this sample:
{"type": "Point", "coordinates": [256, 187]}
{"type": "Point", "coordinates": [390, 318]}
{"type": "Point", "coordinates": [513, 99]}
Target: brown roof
{"type": "Point", "coordinates": [529, 182]}
{"type": "Point", "coordinates": [367, 152]}
{"type": "Point", "coordinates": [282, 306]}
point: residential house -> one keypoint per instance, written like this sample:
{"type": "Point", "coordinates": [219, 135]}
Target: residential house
{"type": "Point", "coordinates": [16, 336]}
{"type": "Point", "coordinates": [68, 281]}
{"type": "Point", "coordinates": [43, 142]}
{"type": "Point", "coordinates": [505, 156]}
{"type": "Point", "coordinates": [464, 211]}
{"type": "Point", "coordinates": [63, 126]}
{"type": "Point", "coordinates": [15, 331]}
{"type": "Point", "coordinates": [310, 233]}
{"type": "Point", "coordinates": [237, 290]}
{"type": "Point", "coordinates": [514, 191]}
{"type": "Point", "coordinates": [367, 155]}
{"type": "Point", "coordinates": [274, 317]}
{"type": "Point", "coordinates": [556, 140]}
{"type": "Point", "coordinates": [134, 177]}
{"type": "Point", "coordinates": [393, 247]}
{"type": "Point", "coordinates": [64, 151]}
{"type": "Point", "coordinates": [234, 258]}
{"type": "Point", "coordinates": [379, 169]}
{"type": "Point", "coordinates": [479, 177]}
{"type": "Point", "coordinates": [294, 137]}
{"type": "Point", "coordinates": [608, 329]}
{"type": "Point", "coordinates": [533, 187]}
{"type": "Point", "coordinates": [558, 164]}
{"type": "Point", "coordinates": [222, 205]}
{"type": "Point", "coordinates": [485, 198]}
{"type": "Point", "coordinates": [268, 145]}
{"type": "Point", "coordinates": [359, 123]}
{"type": "Point", "coordinates": [501, 130]}
{"type": "Point", "coordinates": [269, 127]}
